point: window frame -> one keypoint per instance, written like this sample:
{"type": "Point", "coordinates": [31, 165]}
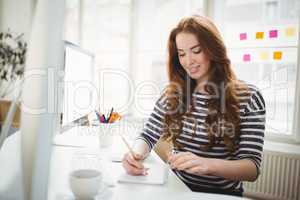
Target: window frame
{"type": "Point", "coordinates": [215, 11]}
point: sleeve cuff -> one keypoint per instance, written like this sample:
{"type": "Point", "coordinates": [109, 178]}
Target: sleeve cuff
{"type": "Point", "coordinates": [256, 165]}
{"type": "Point", "coordinates": [141, 147]}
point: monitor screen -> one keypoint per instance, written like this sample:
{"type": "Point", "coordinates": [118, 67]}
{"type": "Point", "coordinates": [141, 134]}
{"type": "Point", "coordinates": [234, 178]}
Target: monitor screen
{"type": "Point", "coordinates": [78, 84]}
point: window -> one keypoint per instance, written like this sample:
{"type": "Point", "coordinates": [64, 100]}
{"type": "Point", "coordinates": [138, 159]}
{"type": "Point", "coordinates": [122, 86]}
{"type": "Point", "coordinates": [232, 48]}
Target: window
{"type": "Point", "coordinates": [263, 47]}
{"type": "Point", "coordinates": [72, 21]}
{"type": "Point", "coordinates": [105, 31]}
{"type": "Point", "coordinates": [153, 22]}
{"type": "Point", "coordinates": [102, 27]}
{"type": "Point", "coordinates": [129, 40]}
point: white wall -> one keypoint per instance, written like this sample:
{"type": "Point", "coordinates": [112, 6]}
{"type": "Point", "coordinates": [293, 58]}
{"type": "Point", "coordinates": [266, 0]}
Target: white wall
{"type": "Point", "coordinates": [16, 15]}
{"type": "Point", "coordinates": [1, 14]}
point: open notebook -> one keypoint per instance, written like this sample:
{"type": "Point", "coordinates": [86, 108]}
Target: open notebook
{"type": "Point", "coordinates": [157, 174]}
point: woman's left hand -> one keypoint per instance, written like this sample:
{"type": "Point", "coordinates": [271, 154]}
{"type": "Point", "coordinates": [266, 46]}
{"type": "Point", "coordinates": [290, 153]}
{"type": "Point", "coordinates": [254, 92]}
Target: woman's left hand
{"type": "Point", "coordinates": [190, 163]}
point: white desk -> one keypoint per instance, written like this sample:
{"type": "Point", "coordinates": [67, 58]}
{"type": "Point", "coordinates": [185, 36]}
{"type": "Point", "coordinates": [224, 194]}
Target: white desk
{"type": "Point", "coordinates": [63, 157]}
{"type": "Point", "coordinates": [10, 168]}
{"type": "Point", "coordinates": [61, 165]}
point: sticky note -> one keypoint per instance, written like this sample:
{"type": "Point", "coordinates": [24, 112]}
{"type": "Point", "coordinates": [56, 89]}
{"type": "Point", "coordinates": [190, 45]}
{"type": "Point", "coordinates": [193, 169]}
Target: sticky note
{"type": "Point", "coordinates": [273, 33]}
{"type": "Point", "coordinates": [243, 36]}
{"type": "Point", "coordinates": [259, 35]}
{"type": "Point", "coordinates": [264, 55]}
{"type": "Point", "coordinates": [277, 55]}
{"type": "Point", "coordinates": [246, 57]}
{"type": "Point", "coordinates": [290, 32]}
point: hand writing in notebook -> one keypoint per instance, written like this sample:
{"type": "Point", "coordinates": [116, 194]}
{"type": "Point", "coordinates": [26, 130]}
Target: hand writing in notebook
{"type": "Point", "coordinates": [133, 164]}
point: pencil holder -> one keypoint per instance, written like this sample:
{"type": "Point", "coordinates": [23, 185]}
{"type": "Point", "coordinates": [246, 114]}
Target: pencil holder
{"type": "Point", "coordinates": [107, 132]}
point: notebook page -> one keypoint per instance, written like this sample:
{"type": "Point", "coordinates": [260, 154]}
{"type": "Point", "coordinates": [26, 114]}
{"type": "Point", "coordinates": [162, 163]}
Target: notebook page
{"type": "Point", "coordinates": [157, 174]}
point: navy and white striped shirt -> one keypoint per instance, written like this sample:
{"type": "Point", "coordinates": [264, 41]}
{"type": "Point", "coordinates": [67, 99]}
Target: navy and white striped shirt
{"type": "Point", "coordinates": [250, 143]}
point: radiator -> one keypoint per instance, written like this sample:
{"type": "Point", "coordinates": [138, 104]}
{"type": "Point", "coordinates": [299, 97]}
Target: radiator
{"type": "Point", "coordinates": [279, 179]}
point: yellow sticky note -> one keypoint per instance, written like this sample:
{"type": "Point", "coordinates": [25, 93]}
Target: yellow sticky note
{"type": "Point", "coordinates": [277, 55]}
{"type": "Point", "coordinates": [259, 35]}
{"type": "Point", "coordinates": [290, 32]}
{"type": "Point", "coordinates": [264, 55]}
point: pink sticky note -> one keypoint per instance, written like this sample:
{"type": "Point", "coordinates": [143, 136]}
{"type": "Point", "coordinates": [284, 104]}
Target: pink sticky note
{"type": "Point", "coordinates": [243, 36]}
{"type": "Point", "coordinates": [246, 57]}
{"type": "Point", "coordinates": [273, 33]}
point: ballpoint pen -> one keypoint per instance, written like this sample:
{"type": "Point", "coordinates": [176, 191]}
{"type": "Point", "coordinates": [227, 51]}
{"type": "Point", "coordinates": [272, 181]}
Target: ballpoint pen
{"type": "Point", "coordinates": [104, 119]}
{"type": "Point", "coordinates": [98, 116]}
{"type": "Point", "coordinates": [109, 117]}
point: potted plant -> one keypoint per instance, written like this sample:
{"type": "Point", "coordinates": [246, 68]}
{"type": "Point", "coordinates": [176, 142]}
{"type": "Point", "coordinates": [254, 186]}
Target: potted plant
{"type": "Point", "coordinates": [13, 50]}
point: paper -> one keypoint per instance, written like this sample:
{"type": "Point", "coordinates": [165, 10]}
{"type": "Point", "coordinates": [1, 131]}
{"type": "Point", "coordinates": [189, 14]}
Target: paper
{"type": "Point", "coordinates": [273, 33]}
{"type": "Point", "coordinates": [277, 55]}
{"type": "Point", "coordinates": [116, 157]}
{"type": "Point", "coordinates": [246, 57]}
{"type": "Point", "coordinates": [79, 136]}
{"type": "Point", "coordinates": [264, 55]}
{"type": "Point", "coordinates": [157, 175]}
{"type": "Point", "coordinates": [243, 36]}
{"type": "Point", "coordinates": [259, 35]}
{"type": "Point", "coordinates": [290, 32]}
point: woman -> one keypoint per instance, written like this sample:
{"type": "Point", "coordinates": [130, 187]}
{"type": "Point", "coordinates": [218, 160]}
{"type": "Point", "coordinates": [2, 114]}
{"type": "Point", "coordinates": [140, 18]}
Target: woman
{"type": "Point", "coordinates": [216, 123]}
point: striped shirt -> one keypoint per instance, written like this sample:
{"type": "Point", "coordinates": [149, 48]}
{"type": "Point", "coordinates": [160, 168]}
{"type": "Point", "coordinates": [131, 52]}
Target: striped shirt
{"type": "Point", "coordinates": [250, 142]}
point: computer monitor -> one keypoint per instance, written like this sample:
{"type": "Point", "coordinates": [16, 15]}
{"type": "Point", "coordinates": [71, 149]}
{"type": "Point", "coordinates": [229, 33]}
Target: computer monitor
{"type": "Point", "coordinates": [78, 83]}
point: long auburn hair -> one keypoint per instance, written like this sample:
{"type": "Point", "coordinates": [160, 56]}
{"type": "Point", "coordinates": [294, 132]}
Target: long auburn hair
{"type": "Point", "coordinates": [223, 107]}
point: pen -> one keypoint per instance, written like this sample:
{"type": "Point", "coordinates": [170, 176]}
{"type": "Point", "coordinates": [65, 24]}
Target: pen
{"type": "Point", "coordinates": [104, 119]}
{"type": "Point", "coordinates": [131, 152]}
{"type": "Point", "coordinates": [128, 146]}
{"type": "Point", "coordinates": [98, 116]}
{"type": "Point", "coordinates": [114, 117]}
{"type": "Point", "coordinates": [108, 119]}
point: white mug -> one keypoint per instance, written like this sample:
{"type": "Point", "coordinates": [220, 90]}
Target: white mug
{"type": "Point", "coordinates": [85, 183]}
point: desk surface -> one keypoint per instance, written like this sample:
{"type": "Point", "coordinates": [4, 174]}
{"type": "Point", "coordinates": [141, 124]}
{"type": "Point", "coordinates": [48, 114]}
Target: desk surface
{"type": "Point", "coordinates": [65, 159]}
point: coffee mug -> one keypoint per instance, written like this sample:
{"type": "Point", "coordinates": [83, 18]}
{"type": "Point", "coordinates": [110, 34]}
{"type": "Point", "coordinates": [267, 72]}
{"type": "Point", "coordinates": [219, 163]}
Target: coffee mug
{"type": "Point", "coordinates": [85, 183]}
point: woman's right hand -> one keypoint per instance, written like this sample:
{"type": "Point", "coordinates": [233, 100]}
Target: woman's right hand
{"type": "Point", "coordinates": [133, 165]}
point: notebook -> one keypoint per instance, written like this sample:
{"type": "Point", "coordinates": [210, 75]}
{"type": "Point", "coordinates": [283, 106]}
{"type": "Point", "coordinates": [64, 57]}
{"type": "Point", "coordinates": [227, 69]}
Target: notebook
{"type": "Point", "coordinates": [157, 175]}
{"type": "Point", "coordinates": [79, 136]}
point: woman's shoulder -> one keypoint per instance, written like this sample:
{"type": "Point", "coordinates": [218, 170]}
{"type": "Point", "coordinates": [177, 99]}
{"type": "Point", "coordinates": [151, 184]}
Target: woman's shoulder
{"type": "Point", "coordinates": [249, 88]}
{"type": "Point", "coordinates": [253, 95]}
{"type": "Point", "coordinates": [166, 97]}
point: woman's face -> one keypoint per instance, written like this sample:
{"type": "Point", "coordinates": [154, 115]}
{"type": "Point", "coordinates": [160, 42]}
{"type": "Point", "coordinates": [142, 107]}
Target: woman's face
{"type": "Point", "coordinates": [192, 57]}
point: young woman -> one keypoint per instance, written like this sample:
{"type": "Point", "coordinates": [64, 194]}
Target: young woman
{"type": "Point", "coordinates": [215, 122]}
